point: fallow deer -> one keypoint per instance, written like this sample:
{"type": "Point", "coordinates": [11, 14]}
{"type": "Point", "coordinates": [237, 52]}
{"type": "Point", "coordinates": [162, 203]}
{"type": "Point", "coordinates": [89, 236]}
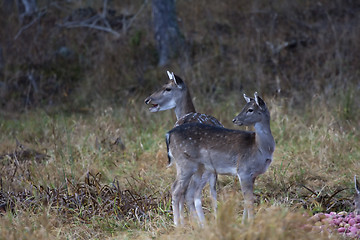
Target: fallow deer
{"type": "Point", "coordinates": [175, 95]}
{"type": "Point", "coordinates": [196, 148]}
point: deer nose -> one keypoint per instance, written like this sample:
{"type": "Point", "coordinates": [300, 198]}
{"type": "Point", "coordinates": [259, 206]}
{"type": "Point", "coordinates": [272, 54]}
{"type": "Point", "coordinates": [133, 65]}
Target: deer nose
{"type": "Point", "coordinates": [147, 100]}
{"type": "Point", "coordinates": [234, 120]}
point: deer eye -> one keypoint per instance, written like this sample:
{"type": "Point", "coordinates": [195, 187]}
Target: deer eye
{"type": "Point", "coordinates": [250, 110]}
{"type": "Point", "coordinates": [168, 89]}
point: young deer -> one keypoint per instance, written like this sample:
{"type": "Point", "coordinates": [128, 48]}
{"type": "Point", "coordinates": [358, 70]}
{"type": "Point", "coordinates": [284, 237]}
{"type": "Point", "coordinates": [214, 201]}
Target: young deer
{"type": "Point", "coordinates": [175, 94]}
{"type": "Point", "coordinates": [196, 148]}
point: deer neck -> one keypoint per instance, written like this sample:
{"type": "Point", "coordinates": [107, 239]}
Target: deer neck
{"type": "Point", "coordinates": [264, 138]}
{"type": "Point", "coordinates": [184, 105]}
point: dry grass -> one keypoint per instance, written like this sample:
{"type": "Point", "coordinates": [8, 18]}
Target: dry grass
{"type": "Point", "coordinates": [270, 223]}
{"type": "Point", "coordinates": [313, 152]}
{"type": "Point", "coordinates": [88, 117]}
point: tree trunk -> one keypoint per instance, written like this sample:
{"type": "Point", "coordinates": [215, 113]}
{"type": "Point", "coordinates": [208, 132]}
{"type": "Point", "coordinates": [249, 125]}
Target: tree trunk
{"type": "Point", "coordinates": [169, 40]}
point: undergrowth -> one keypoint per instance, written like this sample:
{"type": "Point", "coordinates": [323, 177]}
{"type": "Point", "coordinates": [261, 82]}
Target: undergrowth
{"type": "Point", "coordinates": [81, 157]}
{"type": "Point", "coordinates": [51, 166]}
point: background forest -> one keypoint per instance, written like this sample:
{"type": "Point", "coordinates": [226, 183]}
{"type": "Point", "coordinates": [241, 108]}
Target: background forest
{"type": "Point", "coordinates": [81, 156]}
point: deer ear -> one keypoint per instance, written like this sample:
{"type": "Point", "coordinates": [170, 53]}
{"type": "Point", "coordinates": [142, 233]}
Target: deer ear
{"type": "Point", "coordinates": [247, 99]}
{"type": "Point", "coordinates": [259, 101]}
{"type": "Point", "coordinates": [256, 99]}
{"type": "Point", "coordinates": [178, 83]}
{"type": "Point", "coordinates": [172, 77]}
{"type": "Point", "coordinates": [169, 75]}
{"type": "Point", "coordinates": [356, 185]}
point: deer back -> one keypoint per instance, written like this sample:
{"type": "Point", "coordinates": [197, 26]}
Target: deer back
{"type": "Point", "coordinates": [219, 149]}
{"type": "Point", "coordinates": [199, 118]}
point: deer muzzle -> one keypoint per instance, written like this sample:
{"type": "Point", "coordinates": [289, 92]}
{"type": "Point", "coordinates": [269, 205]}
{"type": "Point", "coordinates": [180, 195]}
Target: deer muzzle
{"type": "Point", "coordinates": [236, 122]}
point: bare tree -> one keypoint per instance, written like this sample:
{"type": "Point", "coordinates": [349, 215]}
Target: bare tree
{"type": "Point", "coordinates": [167, 34]}
{"type": "Point", "coordinates": [26, 8]}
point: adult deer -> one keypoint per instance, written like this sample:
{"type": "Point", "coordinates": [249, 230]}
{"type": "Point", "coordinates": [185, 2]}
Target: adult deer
{"type": "Point", "coordinates": [175, 95]}
{"type": "Point", "coordinates": [197, 147]}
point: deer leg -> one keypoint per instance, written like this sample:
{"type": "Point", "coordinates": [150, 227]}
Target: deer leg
{"type": "Point", "coordinates": [198, 207]}
{"type": "Point", "coordinates": [206, 177]}
{"type": "Point", "coordinates": [190, 192]}
{"type": "Point", "coordinates": [181, 209]}
{"type": "Point", "coordinates": [198, 181]}
{"type": "Point", "coordinates": [202, 179]}
{"type": "Point", "coordinates": [247, 187]}
{"type": "Point", "coordinates": [178, 204]}
{"type": "Point", "coordinates": [212, 184]}
{"type": "Point", "coordinates": [178, 191]}
{"type": "Point", "coordinates": [175, 203]}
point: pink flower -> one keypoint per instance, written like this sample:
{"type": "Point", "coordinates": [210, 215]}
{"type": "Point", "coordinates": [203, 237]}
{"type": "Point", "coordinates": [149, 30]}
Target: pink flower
{"type": "Point", "coordinates": [357, 225]}
{"type": "Point", "coordinates": [352, 222]}
{"type": "Point", "coordinates": [328, 215]}
{"type": "Point", "coordinates": [336, 222]}
{"type": "Point", "coordinates": [353, 229]}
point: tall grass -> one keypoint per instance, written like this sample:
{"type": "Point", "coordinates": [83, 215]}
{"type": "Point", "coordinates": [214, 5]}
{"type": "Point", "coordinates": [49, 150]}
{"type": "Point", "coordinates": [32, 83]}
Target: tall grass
{"type": "Point", "coordinates": [89, 115]}
{"type": "Point", "coordinates": [315, 149]}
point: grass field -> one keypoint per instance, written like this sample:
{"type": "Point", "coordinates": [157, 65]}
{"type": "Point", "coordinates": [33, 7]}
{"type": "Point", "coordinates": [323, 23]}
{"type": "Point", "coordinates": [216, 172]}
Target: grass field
{"type": "Point", "coordinates": [81, 156]}
{"type": "Point", "coordinates": [315, 149]}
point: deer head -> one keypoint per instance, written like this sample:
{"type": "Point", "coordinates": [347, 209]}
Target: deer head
{"type": "Point", "coordinates": [253, 112]}
{"type": "Point", "coordinates": [173, 94]}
